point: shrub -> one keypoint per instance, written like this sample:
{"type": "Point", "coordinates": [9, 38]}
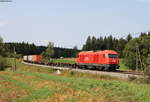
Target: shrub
{"type": "Point", "coordinates": [3, 63]}
{"type": "Point", "coordinates": [132, 78]}
{"type": "Point", "coordinates": [143, 80]}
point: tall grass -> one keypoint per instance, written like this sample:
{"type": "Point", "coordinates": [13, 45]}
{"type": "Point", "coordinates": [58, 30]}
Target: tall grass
{"type": "Point", "coordinates": [37, 84]}
{"type": "Point", "coordinates": [3, 63]}
{"type": "Point", "coordinates": [51, 88]}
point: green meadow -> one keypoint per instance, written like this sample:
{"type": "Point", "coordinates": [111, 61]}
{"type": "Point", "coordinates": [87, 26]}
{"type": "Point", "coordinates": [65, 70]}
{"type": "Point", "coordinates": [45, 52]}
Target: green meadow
{"type": "Point", "coordinates": [37, 84]}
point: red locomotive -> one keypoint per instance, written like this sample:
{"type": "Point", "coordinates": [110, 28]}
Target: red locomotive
{"type": "Point", "coordinates": [103, 60]}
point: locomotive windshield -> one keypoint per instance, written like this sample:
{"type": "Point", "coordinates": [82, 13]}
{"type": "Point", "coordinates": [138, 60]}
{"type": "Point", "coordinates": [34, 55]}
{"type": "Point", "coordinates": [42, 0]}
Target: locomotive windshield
{"type": "Point", "coordinates": [112, 55]}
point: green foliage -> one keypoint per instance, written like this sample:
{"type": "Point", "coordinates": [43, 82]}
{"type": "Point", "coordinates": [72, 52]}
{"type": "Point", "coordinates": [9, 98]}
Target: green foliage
{"type": "Point", "coordinates": [129, 37]}
{"type": "Point", "coordinates": [30, 49]}
{"type": "Point", "coordinates": [23, 49]}
{"type": "Point", "coordinates": [106, 43]}
{"type": "Point", "coordinates": [130, 54]}
{"type": "Point", "coordinates": [2, 47]}
{"type": "Point", "coordinates": [138, 49]}
{"type": "Point", "coordinates": [88, 45]}
{"type": "Point", "coordinates": [64, 52]}
{"type": "Point", "coordinates": [49, 51]}
{"type": "Point", "coordinates": [112, 90]}
{"type": "Point", "coordinates": [38, 94]}
{"type": "Point", "coordinates": [3, 63]}
{"type": "Point", "coordinates": [122, 65]}
{"type": "Point", "coordinates": [75, 51]}
{"type": "Point", "coordinates": [147, 70]}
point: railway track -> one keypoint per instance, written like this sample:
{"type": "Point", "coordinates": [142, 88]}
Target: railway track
{"type": "Point", "coordinates": [117, 74]}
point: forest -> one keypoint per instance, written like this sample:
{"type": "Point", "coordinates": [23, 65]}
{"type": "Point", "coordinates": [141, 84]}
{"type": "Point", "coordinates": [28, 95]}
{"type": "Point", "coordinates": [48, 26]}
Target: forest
{"type": "Point", "coordinates": [23, 48]}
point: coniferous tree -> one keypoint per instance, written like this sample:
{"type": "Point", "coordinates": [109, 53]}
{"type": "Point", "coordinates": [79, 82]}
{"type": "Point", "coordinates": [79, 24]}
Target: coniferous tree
{"type": "Point", "coordinates": [88, 44]}
{"type": "Point", "coordinates": [1, 45]}
{"type": "Point", "coordinates": [143, 34]}
{"type": "Point", "coordinates": [148, 33]}
{"type": "Point", "coordinates": [121, 45]}
{"type": "Point", "coordinates": [109, 42]}
{"type": "Point", "coordinates": [105, 44]}
{"type": "Point", "coordinates": [3, 61]}
{"type": "Point", "coordinates": [75, 51]}
{"type": "Point", "coordinates": [93, 44]}
{"type": "Point", "coordinates": [129, 37]}
{"type": "Point", "coordinates": [2, 48]}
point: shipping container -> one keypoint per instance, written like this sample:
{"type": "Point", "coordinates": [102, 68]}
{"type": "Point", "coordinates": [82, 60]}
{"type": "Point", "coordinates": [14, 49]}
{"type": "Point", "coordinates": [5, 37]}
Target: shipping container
{"type": "Point", "coordinates": [36, 58]}
{"type": "Point", "coordinates": [30, 58]}
{"type": "Point", "coordinates": [25, 58]}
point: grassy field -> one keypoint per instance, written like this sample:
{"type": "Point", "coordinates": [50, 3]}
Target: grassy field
{"type": "Point", "coordinates": [122, 65]}
{"type": "Point", "coordinates": [36, 84]}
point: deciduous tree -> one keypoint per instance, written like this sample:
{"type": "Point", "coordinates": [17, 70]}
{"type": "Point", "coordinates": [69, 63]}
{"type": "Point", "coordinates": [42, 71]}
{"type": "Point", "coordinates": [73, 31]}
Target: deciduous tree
{"type": "Point", "coordinates": [49, 51]}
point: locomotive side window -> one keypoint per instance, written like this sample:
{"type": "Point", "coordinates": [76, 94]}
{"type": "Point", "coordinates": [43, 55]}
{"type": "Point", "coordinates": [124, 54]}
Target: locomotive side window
{"type": "Point", "coordinates": [113, 55]}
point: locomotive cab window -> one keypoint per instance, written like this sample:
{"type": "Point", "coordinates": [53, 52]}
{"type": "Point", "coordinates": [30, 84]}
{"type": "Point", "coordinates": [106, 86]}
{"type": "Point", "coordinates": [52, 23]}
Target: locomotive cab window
{"type": "Point", "coordinates": [112, 55]}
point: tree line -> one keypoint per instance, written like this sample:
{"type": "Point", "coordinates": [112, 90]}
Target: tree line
{"type": "Point", "coordinates": [31, 49]}
{"type": "Point", "coordinates": [106, 43]}
{"type": "Point", "coordinates": [137, 53]}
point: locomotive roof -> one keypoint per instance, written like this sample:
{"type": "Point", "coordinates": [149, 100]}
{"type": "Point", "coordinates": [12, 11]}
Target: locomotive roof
{"type": "Point", "coordinates": [108, 51]}
{"type": "Point", "coordinates": [98, 52]}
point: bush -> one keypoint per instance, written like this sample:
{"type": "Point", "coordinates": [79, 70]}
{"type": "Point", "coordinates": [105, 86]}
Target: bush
{"type": "Point", "coordinates": [143, 80]}
{"type": "Point", "coordinates": [137, 46]}
{"type": "Point", "coordinates": [132, 78]}
{"type": "Point", "coordinates": [3, 63]}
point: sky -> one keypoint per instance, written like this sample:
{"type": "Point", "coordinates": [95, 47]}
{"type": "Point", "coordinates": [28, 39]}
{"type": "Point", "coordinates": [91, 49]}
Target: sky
{"type": "Point", "coordinates": [68, 23]}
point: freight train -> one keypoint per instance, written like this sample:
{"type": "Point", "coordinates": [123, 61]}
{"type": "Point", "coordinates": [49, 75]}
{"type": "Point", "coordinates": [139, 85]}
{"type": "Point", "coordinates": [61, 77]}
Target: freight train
{"type": "Point", "coordinates": [107, 60]}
